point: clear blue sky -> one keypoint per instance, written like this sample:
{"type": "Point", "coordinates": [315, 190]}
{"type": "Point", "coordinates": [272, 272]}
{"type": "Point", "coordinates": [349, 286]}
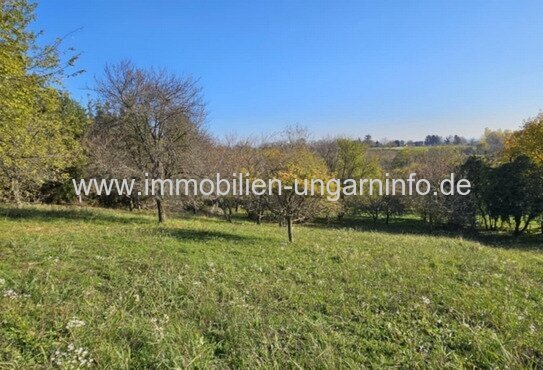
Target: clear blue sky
{"type": "Point", "coordinates": [399, 69]}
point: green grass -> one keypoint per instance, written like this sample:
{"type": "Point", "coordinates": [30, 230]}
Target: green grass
{"type": "Point", "coordinates": [204, 293]}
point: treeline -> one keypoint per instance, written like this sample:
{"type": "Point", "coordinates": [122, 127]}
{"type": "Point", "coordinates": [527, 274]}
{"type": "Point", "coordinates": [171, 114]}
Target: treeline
{"type": "Point", "coordinates": [430, 140]}
{"type": "Point", "coordinates": [150, 121]}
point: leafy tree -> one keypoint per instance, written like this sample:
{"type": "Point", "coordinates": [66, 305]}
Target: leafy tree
{"type": "Point", "coordinates": [516, 190]}
{"type": "Point", "coordinates": [288, 164]}
{"type": "Point", "coordinates": [37, 133]}
{"type": "Point", "coordinates": [353, 162]}
{"type": "Point", "coordinates": [368, 140]}
{"type": "Point", "coordinates": [402, 159]}
{"type": "Point", "coordinates": [76, 120]}
{"type": "Point", "coordinates": [492, 143]}
{"type": "Point", "coordinates": [528, 141]}
{"type": "Point", "coordinates": [432, 140]}
{"type": "Point", "coordinates": [459, 140]}
{"type": "Point", "coordinates": [477, 171]}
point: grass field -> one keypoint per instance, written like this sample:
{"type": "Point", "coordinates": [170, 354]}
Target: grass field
{"type": "Point", "coordinates": [110, 289]}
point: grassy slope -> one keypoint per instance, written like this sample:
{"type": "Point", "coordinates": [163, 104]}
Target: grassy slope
{"type": "Point", "coordinates": [203, 292]}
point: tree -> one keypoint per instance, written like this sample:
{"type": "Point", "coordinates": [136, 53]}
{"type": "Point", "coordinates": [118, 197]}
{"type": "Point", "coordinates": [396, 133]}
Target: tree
{"type": "Point", "coordinates": [291, 163]}
{"type": "Point", "coordinates": [37, 138]}
{"type": "Point", "coordinates": [516, 192]}
{"type": "Point", "coordinates": [376, 206]}
{"type": "Point", "coordinates": [368, 140]}
{"type": "Point", "coordinates": [432, 140]}
{"type": "Point", "coordinates": [154, 117]}
{"type": "Point", "coordinates": [477, 171]}
{"type": "Point", "coordinates": [435, 165]}
{"type": "Point", "coordinates": [352, 162]}
{"type": "Point", "coordinates": [327, 149]}
{"type": "Point", "coordinates": [528, 141]}
{"type": "Point", "coordinates": [76, 121]}
{"type": "Point", "coordinates": [402, 159]}
{"type": "Point", "coordinates": [492, 143]}
{"type": "Point", "coordinates": [459, 140]}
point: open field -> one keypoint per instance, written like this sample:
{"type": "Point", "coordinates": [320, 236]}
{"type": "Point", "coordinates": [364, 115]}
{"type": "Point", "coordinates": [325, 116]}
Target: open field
{"type": "Point", "coordinates": [116, 290]}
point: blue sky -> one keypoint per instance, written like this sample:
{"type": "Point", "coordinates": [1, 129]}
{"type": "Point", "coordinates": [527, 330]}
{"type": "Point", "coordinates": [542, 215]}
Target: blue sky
{"type": "Point", "coordinates": [393, 69]}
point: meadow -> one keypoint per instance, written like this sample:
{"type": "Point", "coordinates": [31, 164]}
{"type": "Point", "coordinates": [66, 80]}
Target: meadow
{"type": "Point", "coordinates": [83, 287]}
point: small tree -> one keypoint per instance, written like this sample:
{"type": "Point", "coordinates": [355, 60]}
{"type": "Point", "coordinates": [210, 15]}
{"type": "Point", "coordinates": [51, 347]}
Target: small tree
{"type": "Point", "coordinates": [288, 164]}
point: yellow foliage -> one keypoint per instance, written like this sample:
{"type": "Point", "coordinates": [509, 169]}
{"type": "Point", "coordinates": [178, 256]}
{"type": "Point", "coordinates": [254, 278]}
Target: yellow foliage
{"type": "Point", "coordinates": [528, 141]}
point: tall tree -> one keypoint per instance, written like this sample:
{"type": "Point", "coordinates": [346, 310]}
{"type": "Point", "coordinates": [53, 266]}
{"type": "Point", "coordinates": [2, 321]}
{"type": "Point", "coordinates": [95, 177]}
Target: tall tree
{"type": "Point", "coordinates": [37, 137]}
{"type": "Point", "coordinates": [154, 117]}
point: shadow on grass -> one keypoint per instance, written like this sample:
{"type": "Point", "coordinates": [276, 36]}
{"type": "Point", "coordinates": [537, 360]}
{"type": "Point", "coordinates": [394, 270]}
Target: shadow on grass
{"type": "Point", "coordinates": [404, 225]}
{"type": "Point", "coordinates": [413, 226]}
{"type": "Point", "coordinates": [205, 235]}
{"type": "Point", "coordinates": [73, 214]}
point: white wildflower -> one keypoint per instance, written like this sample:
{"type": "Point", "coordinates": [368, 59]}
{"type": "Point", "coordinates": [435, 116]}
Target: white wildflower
{"type": "Point", "coordinates": [72, 357]}
{"type": "Point", "coordinates": [158, 325]}
{"type": "Point", "coordinates": [2, 281]}
{"type": "Point", "coordinates": [425, 300]}
{"type": "Point", "coordinates": [10, 293]}
{"type": "Point", "coordinates": [75, 323]}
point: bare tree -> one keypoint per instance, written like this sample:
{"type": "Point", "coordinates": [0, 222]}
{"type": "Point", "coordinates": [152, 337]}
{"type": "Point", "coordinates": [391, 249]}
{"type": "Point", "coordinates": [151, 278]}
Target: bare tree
{"type": "Point", "coordinates": [153, 119]}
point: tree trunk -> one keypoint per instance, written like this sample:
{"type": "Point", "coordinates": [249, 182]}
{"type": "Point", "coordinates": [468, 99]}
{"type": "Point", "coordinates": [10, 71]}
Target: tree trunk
{"type": "Point", "coordinates": [227, 213]}
{"type": "Point", "coordinates": [160, 210]}
{"type": "Point", "coordinates": [289, 228]}
{"type": "Point", "coordinates": [16, 192]}
{"type": "Point", "coordinates": [485, 221]}
{"type": "Point", "coordinates": [527, 222]}
{"type": "Point", "coordinates": [517, 226]}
